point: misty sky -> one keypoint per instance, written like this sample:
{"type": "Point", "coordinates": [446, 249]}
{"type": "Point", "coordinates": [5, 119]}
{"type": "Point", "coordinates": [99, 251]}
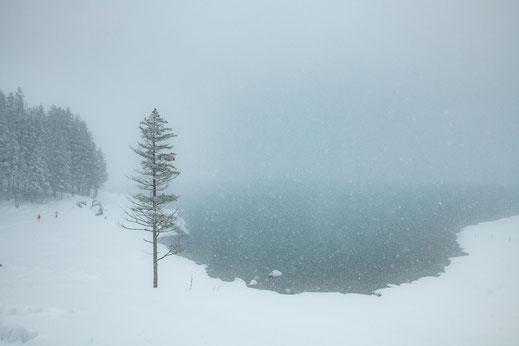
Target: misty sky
{"type": "Point", "coordinates": [360, 91]}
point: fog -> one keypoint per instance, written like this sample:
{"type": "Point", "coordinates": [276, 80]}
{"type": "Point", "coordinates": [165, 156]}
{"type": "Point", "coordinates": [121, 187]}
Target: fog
{"type": "Point", "coordinates": [361, 92]}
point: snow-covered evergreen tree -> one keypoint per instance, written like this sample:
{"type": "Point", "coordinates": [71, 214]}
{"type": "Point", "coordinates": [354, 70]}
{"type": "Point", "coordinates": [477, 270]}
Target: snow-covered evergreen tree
{"type": "Point", "coordinates": [5, 145]}
{"type": "Point", "coordinates": [36, 176]}
{"type": "Point", "coordinates": [100, 175]}
{"type": "Point", "coordinates": [60, 157]}
{"type": "Point", "coordinates": [15, 118]}
{"type": "Point", "coordinates": [147, 212]}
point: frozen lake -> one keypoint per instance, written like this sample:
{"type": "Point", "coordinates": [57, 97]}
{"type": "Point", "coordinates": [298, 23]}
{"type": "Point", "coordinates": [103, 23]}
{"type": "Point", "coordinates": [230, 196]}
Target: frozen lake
{"type": "Point", "coordinates": [329, 238]}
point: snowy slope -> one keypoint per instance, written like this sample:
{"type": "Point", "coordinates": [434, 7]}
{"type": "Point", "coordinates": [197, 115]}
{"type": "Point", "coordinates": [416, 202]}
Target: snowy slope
{"type": "Point", "coordinates": [81, 280]}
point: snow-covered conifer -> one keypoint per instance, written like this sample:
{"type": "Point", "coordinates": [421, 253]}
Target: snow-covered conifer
{"type": "Point", "coordinates": [147, 211]}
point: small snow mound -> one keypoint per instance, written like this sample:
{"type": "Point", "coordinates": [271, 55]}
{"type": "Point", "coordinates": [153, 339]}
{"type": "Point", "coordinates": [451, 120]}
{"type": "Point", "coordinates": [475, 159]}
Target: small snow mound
{"type": "Point", "coordinates": [275, 273]}
{"type": "Point", "coordinates": [253, 282]}
{"type": "Point", "coordinates": [181, 226]}
{"type": "Point", "coordinates": [81, 204]}
{"type": "Point", "coordinates": [16, 335]}
{"type": "Point", "coordinates": [99, 205]}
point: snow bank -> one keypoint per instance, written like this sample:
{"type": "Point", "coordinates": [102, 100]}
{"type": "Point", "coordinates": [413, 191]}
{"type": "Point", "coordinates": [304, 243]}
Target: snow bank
{"type": "Point", "coordinates": [16, 335]}
{"type": "Point", "coordinates": [81, 280]}
{"type": "Point", "coordinates": [275, 273]}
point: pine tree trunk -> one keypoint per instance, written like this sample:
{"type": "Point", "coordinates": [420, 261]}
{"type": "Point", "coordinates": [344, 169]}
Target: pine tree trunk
{"type": "Point", "coordinates": [155, 230]}
{"type": "Point", "coordinates": [155, 260]}
{"type": "Point", "coordinates": [9, 189]}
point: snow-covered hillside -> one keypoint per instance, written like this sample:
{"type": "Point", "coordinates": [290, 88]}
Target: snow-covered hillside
{"type": "Point", "coordinates": [79, 279]}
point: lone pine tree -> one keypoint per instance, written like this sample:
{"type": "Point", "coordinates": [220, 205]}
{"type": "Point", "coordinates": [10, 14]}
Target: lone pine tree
{"type": "Point", "coordinates": [147, 211]}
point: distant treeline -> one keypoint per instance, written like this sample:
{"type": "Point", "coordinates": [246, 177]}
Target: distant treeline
{"type": "Point", "coordinates": [45, 152]}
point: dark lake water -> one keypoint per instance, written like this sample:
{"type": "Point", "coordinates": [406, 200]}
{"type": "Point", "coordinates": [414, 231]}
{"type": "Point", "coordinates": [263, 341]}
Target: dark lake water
{"type": "Point", "coordinates": [330, 238]}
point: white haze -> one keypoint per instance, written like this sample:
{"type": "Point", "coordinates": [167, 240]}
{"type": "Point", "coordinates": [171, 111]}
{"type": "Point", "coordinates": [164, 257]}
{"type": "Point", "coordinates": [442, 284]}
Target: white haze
{"type": "Point", "coordinates": [371, 91]}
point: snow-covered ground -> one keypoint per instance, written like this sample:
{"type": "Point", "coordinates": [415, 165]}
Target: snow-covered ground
{"type": "Point", "coordinates": [79, 279]}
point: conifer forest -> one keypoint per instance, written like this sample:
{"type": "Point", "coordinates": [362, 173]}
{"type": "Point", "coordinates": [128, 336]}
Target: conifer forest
{"type": "Point", "coordinates": [46, 152]}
